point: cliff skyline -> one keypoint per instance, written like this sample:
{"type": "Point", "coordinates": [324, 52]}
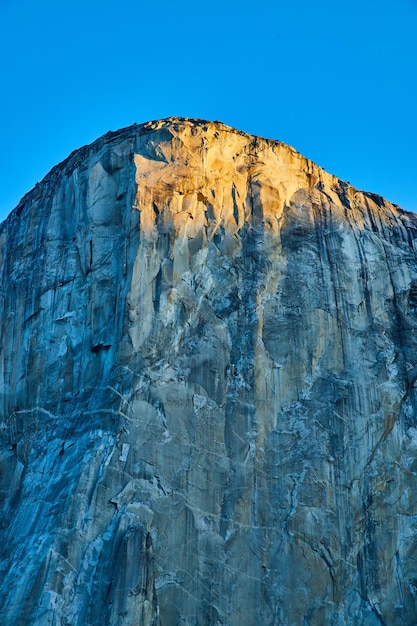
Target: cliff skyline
{"type": "Point", "coordinates": [339, 85]}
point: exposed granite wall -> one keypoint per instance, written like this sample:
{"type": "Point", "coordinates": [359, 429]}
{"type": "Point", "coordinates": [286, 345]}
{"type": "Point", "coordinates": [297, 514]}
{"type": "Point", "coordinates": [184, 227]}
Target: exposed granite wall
{"type": "Point", "coordinates": [207, 382]}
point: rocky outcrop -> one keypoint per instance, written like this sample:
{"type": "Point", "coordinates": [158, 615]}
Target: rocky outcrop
{"type": "Point", "coordinates": [208, 390]}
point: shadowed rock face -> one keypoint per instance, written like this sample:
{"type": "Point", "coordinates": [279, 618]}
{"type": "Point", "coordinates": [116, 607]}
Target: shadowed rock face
{"type": "Point", "coordinates": [207, 377]}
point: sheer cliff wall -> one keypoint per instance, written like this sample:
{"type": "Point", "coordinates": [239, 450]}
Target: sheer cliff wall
{"type": "Point", "coordinates": [208, 364]}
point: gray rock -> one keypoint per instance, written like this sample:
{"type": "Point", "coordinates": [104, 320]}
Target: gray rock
{"type": "Point", "coordinates": [208, 390]}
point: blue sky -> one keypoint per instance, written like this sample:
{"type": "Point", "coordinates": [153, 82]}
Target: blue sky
{"type": "Point", "coordinates": [336, 80]}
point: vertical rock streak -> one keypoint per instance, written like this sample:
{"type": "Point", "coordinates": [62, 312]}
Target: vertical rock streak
{"type": "Point", "coordinates": [208, 367]}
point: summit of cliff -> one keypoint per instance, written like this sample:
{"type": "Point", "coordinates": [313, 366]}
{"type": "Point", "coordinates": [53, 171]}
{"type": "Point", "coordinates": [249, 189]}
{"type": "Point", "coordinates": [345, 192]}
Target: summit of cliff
{"type": "Point", "coordinates": [209, 129]}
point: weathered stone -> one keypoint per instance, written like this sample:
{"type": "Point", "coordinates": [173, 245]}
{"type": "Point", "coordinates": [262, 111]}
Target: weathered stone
{"type": "Point", "coordinates": [208, 384]}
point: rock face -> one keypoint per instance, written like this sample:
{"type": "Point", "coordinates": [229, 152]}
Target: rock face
{"type": "Point", "coordinates": [208, 390]}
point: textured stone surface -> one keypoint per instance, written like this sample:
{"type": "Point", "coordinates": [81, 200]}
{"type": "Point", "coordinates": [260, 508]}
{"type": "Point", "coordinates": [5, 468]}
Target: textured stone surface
{"type": "Point", "coordinates": [208, 405]}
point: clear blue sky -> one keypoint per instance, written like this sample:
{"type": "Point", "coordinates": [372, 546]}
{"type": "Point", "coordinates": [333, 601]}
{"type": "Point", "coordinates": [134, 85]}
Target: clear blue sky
{"type": "Point", "coordinates": [336, 80]}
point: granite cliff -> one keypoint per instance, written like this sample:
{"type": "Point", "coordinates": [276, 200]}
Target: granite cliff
{"type": "Point", "coordinates": [208, 370]}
